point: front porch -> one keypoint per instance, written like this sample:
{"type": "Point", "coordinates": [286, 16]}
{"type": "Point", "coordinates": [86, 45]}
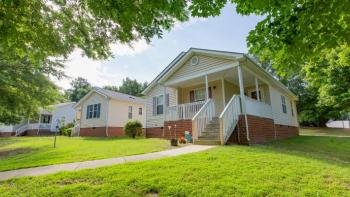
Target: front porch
{"type": "Point", "coordinates": [215, 101]}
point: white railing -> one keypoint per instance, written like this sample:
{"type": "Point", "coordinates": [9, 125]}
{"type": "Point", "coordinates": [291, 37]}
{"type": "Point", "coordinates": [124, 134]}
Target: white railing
{"type": "Point", "coordinates": [258, 108]}
{"type": "Point", "coordinates": [183, 111]}
{"type": "Point", "coordinates": [229, 118]}
{"type": "Point", "coordinates": [32, 126]}
{"type": "Point", "coordinates": [202, 118]}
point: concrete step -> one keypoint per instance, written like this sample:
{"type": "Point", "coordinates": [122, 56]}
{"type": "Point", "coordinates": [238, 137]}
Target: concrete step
{"type": "Point", "coordinates": [207, 142]}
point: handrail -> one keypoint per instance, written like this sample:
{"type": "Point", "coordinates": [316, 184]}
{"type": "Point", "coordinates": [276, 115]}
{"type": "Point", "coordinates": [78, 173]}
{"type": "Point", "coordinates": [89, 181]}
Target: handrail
{"type": "Point", "coordinates": [229, 118]}
{"type": "Point", "coordinates": [183, 111]}
{"type": "Point", "coordinates": [202, 118]}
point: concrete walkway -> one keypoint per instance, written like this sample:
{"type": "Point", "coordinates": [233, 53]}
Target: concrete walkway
{"type": "Point", "coordinates": [99, 163]}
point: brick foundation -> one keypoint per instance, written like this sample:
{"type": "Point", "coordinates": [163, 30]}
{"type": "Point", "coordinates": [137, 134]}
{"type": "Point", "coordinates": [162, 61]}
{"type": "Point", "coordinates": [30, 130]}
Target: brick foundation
{"type": "Point", "coordinates": [7, 134]}
{"type": "Point", "coordinates": [261, 130]}
{"type": "Point", "coordinates": [181, 127]}
{"type": "Point", "coordinates": [36, 133]}
{"type": "Point", "coordinates": [101, 131]}
{"type": "Point", "coordinates": [284, 131]}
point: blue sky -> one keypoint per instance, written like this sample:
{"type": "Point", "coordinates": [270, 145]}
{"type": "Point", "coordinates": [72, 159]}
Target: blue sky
{"type": "Point", "coordinates": [144, 61]}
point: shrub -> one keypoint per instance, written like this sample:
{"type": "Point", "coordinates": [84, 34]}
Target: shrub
{"type": "Point", "coordinates": [67, 129]}
{"type": "Point", "coordinates": [133, 128]}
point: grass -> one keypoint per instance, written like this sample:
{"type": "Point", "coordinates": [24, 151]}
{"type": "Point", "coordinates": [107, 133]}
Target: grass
{"type": "Point", "coordinates": [299, 166]}
{"type": "Point", "coordinates": [325, 132]}
{"type": "Point", "coordinates": [24, 152]}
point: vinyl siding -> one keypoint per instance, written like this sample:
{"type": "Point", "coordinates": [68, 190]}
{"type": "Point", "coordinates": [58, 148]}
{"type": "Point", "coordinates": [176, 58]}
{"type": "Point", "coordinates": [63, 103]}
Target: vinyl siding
{"type": "Point", "coordinates": [118, 113]}
{"type": "Point", "coordinates": [230, 90]}
{"type": "Point", "coordinates": [278, 115]}
{"type": "Point", "coordinates": [94, 98]}
{"type": "Point", "coordinates": [158, 120]}
{"type": "Point", "coordinates": [205, 64]}
{"type": "Point", "coordinates": [66, 111]}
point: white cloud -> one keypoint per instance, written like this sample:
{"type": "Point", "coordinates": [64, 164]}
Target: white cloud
{"type": "Point", "coordinates": [93, 70]}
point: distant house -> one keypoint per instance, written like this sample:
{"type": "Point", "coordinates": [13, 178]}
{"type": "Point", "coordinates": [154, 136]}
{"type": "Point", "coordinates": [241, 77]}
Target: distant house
{"type": "Point", "coordinates": [46, 123]}
{"type": "Point", "coordinates": [104, 113]}
{"type": "Point", "coordinates": [220, 97]}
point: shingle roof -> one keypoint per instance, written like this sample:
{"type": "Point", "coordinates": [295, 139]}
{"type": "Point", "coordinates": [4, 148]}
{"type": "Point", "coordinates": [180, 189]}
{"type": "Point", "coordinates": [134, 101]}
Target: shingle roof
{"type": "Point", "coordinates": [119, 96]}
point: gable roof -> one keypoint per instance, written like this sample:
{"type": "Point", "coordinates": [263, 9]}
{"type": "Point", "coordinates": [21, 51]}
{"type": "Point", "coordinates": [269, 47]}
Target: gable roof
{"type": "Point", "coordinates": [112, 95]}
{"type": "Point", "coordinates": [184, 56]}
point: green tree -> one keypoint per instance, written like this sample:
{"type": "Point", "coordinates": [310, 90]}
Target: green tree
{"type": "Point", "coordinates": [24, 89]}
{"type": "Point", "coordinates": [129, 86]}
{"type": "Point", "coordinates": [80, 87]}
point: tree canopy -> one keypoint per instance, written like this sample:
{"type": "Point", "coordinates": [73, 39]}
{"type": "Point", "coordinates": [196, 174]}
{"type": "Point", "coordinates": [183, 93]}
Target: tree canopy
{"type": "Point", "coordinates": [80, 87]}
{"type": "Point", "coordinates": [129, 86]}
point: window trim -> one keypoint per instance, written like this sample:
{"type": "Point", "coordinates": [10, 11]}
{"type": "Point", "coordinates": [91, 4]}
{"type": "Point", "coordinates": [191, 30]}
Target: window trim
{"type": "Point", "coordinates": [159, 105]}
{"type": "Point", "coordinates": [284, 106]}
{"type": "Point", "coordinates": [130, 112]}
{"type": "Point", "coordinates": [93, 111]}
{"type": "Point", "coordinates": [140, 111]}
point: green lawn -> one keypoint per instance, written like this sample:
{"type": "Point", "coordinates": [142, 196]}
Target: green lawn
{"type": "Point", "coordinates": [325, 132]}
{"type": "Point", "coordinates": [300, 166]}
{"type": "Point", "coordinates": [23, 152]}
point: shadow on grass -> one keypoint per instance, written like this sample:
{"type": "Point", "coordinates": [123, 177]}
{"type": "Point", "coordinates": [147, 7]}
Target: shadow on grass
{"type": "Point", "coordinates": [334, 150]}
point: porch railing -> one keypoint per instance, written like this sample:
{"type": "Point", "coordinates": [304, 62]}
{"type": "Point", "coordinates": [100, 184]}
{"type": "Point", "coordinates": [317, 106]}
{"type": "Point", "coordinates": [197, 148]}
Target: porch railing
{"type": "Point", "coordinates": [183, 111]}
{"type": "Point", "coordinates": [258, 108]}
{"type": "Point", "coordinates": [32, 126]}
{"type": "Point", "coordinates": [229, 118]}
{"type": "Point", "coordinates": [202, 118]}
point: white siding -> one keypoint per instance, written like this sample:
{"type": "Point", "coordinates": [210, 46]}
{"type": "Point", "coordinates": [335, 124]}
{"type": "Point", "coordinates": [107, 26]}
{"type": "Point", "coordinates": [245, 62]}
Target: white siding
{"type": "Point", "coordinates": [118, 113]}
{"type": "Point", "coordinates": [205, 64]}
{"type": "Point", "coordinates": [6, 128]}
{"type": "Point", "coordinates": [276, 104]}
{"type": "Point", "coordinates": [66, 111]}
{"type": "Point", "coordinates": [158, 120]}
{"type": "Point", "coordinates": [94, 98]}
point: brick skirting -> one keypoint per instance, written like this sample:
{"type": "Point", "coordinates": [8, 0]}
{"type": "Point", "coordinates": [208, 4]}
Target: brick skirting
{"type": "Point", "coordinates": [101, 131]}
{"type": "Point", "coordinates": [35, 132]}
{"type": "Point", "coordinates": [261, 130]}
{"type": "Point", "coordinates": [181, 127]}
{"type": "Point", "coordinates": [7, 134]}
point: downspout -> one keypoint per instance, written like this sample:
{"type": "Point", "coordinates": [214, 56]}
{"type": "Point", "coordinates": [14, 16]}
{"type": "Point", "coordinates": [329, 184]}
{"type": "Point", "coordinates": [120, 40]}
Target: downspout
{"type": "Point", "coordinates": [107, 116]}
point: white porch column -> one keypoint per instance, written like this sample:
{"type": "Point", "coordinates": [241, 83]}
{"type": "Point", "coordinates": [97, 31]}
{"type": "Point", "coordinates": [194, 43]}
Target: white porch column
{"type": "Point", "coordinates": [241, 91]}
{"type": "Point", "coordinates": [257, 89]}
{"type": "Point", "coordinates": [223, 92]}
{"type": "Point", "coordinates": [206, 88]}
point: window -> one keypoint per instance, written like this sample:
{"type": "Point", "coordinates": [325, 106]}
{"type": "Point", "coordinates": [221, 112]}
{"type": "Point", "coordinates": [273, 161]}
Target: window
{"type": "Point", "coordinates": [160, 103]}
{"type": "Point", "coordinates": [284, 106]}
{"type": "Point", "coordinates": [93, 111]}
{"type": "Point", "coordinates": [130, 112]}
{"type": "Point", "coordinates": [254, 96]}
{"type": "Point", "coordinates": [140, 111]}
{"type": "Point", "coordinates": [291, 108]}
{"type": "Point", "coordinates": [46, 119]}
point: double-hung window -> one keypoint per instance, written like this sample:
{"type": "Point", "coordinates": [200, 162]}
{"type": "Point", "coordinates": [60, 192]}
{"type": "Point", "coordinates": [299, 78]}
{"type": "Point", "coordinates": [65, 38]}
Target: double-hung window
{"type": "Point", "coordinates": [130, 112]}
{"type": "Point", "coordinates": [93, 111]}
{"type": "Point", "coordinates": [158, 105]}
{"type": "Point", "coordinates": [140, 111]}
{"type": "Point", "coordinates": [284, 106]}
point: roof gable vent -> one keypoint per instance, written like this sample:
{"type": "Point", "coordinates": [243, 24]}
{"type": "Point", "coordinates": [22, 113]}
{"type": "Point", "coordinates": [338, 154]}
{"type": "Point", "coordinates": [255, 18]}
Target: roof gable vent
{"type": "Point", "coordinates": [194, 60]}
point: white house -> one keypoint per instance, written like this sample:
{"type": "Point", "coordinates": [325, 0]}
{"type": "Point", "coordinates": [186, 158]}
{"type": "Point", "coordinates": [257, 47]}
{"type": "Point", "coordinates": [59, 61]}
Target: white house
{"type": "Point", "coordinates": [104, 113]}
{"type": "Point", "coordinates": [220, 97]}
{"type": "Point", "coordinates": [59, 114]}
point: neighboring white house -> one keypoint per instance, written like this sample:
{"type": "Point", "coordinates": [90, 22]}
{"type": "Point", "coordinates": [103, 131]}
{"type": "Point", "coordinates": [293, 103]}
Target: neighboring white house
{"type": "Point", "coordinates": [345, 124]}
{"type": "Point", "coordinates": [104, 113]}
{"type": "Point", "coordinates": [220, 97]}
{"type": "Point", "coordinates": [59, 114]}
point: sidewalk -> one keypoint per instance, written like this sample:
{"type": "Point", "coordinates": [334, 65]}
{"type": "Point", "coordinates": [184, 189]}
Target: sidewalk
{"type": "Point", "coordinates": [36, 171]}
